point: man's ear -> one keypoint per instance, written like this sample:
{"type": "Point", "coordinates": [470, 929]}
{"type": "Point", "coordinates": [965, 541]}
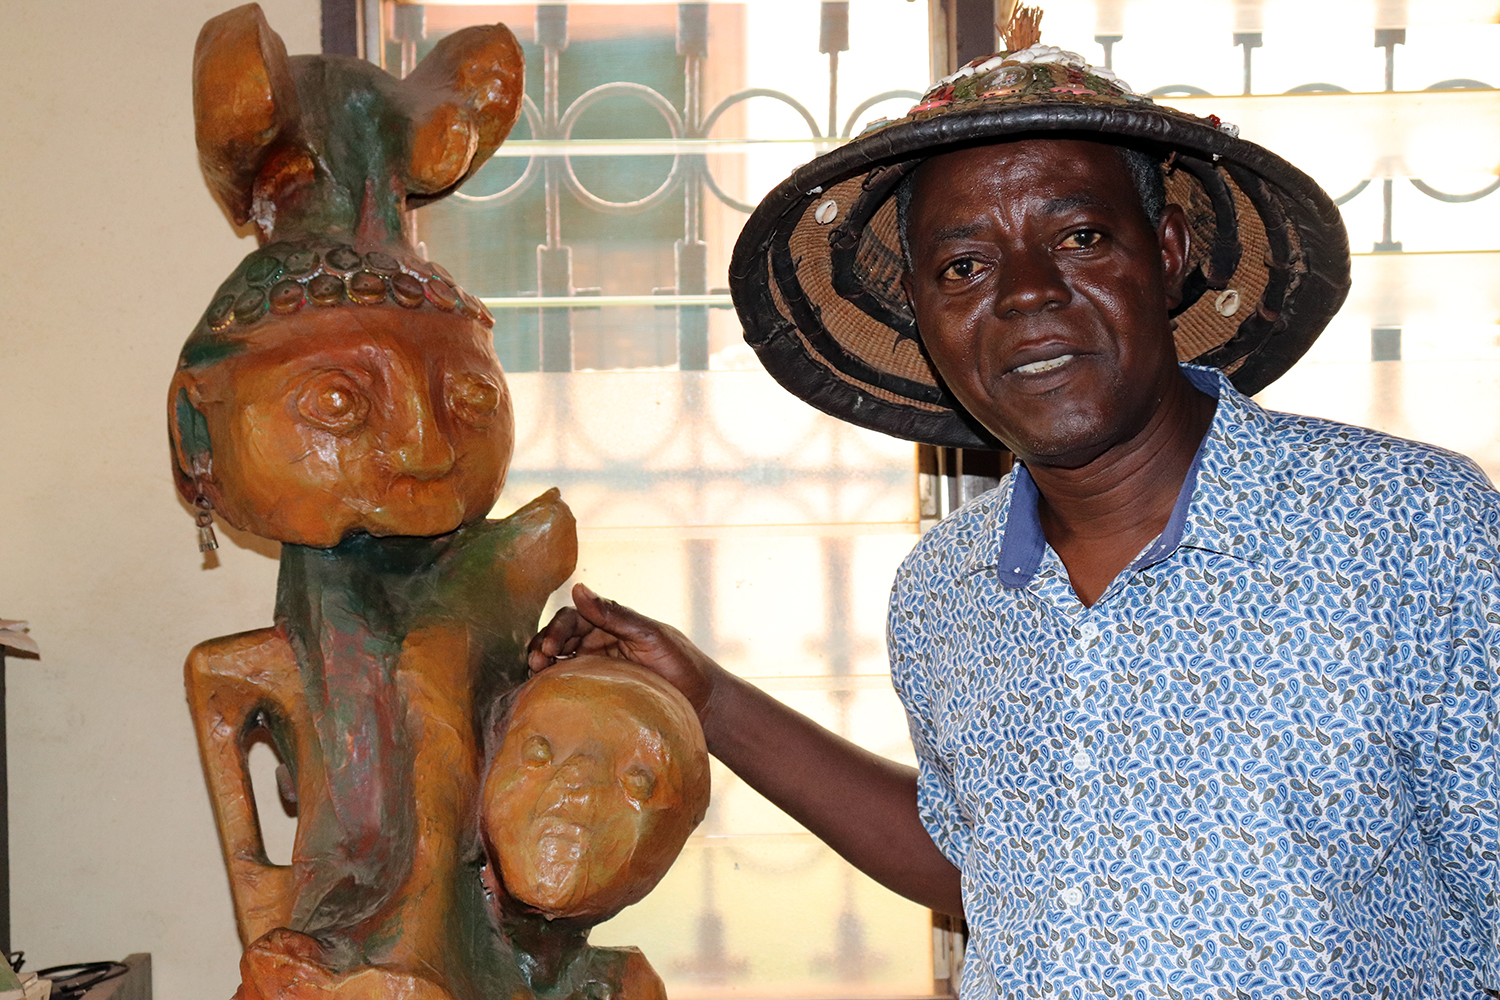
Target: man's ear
{"type": "Point", "coordinates": [1175, 237]}
{"type": "Point", "coordinates": [192, 451]}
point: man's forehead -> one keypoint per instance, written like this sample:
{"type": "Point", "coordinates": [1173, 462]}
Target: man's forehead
{"type": "Point", "coordinates": [1097, 159]}
{"type": "Point", "coordinates": [1051, 176]}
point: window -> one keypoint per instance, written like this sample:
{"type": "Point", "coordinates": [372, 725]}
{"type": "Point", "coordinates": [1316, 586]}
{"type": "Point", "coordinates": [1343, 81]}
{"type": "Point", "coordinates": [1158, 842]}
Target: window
{"type": "Point", "coordinates": [1391, 107]}
{"type": "Point", "coordinates": [707, 496]}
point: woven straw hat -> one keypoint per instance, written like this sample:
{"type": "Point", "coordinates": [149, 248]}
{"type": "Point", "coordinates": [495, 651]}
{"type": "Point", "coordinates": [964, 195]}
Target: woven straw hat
{"type": "Point", "coordinates": [816, 273]}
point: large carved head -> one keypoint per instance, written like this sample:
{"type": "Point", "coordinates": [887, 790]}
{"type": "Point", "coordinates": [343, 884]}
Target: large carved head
{"type": "Point", "coordinates": [338, 382]}
{"type": "Point", "coordinates": [602, 775]}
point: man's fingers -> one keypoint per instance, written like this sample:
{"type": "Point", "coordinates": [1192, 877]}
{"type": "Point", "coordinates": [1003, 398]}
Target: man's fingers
{"type": "Point", "coordinates": [562, 636]}
{"type": "Point", "coordinates": [563, 626]}
{"type": "Point", "coordinates": [614, 617]}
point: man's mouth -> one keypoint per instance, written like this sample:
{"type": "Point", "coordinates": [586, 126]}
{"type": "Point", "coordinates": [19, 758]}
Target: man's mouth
{"type": "Point", "coordinates": [1045, 365]}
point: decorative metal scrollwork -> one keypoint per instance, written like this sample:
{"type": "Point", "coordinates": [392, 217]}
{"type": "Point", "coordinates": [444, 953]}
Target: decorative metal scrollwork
{"type": "Point", "coordinates": [587, 100]}
{"type": "Point", "coordinates": [1434, 193]}
{"type": "Point", "coordinates": [1458, 83]}
{"type": "Point", "coordinates": [679, 130]}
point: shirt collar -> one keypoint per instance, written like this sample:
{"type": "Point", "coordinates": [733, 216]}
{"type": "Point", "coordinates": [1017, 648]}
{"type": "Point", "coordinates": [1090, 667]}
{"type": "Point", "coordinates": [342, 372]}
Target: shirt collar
{"type": "Point", "coordinates": [1218, 524]}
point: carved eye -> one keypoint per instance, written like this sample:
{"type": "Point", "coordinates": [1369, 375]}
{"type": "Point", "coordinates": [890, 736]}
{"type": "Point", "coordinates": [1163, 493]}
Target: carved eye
{"type": "Point", "coordinates": [333, 402]}
{"type": "Point", "coordinates": [639, 782]}
{"type": "Point", "coordinates": [474, 399]}
{"type": "Point", "coordinates": [536, 751]}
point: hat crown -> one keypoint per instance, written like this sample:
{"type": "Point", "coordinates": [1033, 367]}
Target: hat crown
{"type": "Point", "coordinates": [1036, 73]}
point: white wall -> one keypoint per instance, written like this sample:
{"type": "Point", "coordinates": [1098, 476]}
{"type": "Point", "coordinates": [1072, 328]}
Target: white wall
{"type": "Point", "coordinates": [112, 247]}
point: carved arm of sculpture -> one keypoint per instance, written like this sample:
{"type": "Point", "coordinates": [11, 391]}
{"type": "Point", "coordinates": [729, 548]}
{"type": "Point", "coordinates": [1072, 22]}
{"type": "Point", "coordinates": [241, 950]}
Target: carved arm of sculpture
{"type": "Point", "coordinates": [239, 686]}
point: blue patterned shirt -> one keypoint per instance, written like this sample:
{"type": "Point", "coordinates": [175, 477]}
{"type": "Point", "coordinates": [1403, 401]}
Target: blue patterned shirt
{"type": "Point", "coordinates": [1263, 764]}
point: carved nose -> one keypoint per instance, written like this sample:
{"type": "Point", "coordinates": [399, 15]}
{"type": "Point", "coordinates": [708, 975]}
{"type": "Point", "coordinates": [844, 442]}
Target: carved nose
{"type": "Point", "coordinates": [426, 457]}
{"type": "Point", "coordinates": [580, 771]}
{"type": "Point", "coordinates": [423, 450]}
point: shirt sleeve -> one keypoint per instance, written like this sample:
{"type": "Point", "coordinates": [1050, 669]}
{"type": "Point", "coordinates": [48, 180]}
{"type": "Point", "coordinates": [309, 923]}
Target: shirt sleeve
{"type": "Point", "coordinates": [910, 649]}
{"type": "Point", "coordinates": [1461, 819]}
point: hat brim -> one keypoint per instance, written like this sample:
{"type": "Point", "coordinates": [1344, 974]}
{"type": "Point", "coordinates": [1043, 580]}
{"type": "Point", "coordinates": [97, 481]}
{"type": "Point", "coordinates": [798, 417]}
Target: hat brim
{"type": "Point", "coordinates": [814, 294]}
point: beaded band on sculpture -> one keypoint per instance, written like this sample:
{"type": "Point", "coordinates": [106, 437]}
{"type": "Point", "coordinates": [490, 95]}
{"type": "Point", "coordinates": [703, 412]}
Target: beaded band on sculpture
{"type": "Point", "coordinates": [281, 279]}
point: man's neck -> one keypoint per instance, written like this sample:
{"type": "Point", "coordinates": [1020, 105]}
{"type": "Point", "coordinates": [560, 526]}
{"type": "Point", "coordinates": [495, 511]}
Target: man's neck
{"type": "Point", "coordinates": [1099, 516]}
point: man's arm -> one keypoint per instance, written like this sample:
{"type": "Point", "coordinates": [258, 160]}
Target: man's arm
{"type": "Point", "coordinates": [1453, 688]}
{"type": "Point", "coordinates": [860, 804]}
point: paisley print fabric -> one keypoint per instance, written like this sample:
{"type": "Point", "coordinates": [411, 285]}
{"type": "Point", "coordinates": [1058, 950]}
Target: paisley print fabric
{"type": "Point", "coordinates": [1263, 764]}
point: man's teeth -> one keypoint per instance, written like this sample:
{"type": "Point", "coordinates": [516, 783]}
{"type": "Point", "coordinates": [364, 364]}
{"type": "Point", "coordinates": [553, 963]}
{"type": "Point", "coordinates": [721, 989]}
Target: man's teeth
{"type": "Point", "coordinates": [1045, 366]}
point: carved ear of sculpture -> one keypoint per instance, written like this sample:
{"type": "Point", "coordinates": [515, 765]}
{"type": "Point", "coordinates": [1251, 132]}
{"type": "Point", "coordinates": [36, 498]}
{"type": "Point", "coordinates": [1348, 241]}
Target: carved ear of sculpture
{"type": "Point", "coordinates": [464, 97]}
{"type": "Point", "coordinates": [244, 100]}
{"type": "Point", "coordinates": [192, 451]}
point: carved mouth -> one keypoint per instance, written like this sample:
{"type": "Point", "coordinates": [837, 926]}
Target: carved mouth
{"type": "Point", "coordinates": [558, 828]}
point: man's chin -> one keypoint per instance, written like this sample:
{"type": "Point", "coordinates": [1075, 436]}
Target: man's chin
{"type": "Point", "coordinates": [1068, 457]}
{"type": "Point", "coordinates": [1072, 445]}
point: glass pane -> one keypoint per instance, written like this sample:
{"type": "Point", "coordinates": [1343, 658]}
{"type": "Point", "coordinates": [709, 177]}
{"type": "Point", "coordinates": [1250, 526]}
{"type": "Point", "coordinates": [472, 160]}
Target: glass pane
{"type": "Point", "coordinates": [706, 495]}
{"type": "Point", "coordinates": [666, 451]}
{"type": "Point", "coordinates": [738, 925]}
{"type": "Point", "coordinates": [770, 534]}
{"type": "Point", "coordinates": [650, 130]}
{"type": "Point", "coordinates": [1391, 106]}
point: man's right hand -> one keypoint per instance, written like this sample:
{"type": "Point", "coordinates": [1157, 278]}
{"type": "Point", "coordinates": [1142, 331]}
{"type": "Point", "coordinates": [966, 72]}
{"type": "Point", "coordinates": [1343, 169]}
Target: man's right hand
{"type": "Point", "coordinates": [598, 626]}
{"type": "Point", "coordinates": [858, 803]}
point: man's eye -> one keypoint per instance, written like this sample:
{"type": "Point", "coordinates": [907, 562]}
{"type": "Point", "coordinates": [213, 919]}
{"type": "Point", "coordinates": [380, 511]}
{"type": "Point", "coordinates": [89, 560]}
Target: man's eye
{"type": "Point", "coordinates": [333, 402]}
{"type": "Point", "coordinates": [1081, 240]}
{"type": "Point", "coordinates": [536, 751]}
{"type": "Point", "coordinates": [961, 270]}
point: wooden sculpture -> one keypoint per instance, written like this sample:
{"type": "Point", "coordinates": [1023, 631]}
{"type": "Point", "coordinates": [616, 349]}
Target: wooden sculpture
{"type": "Point", "coordinates": [600, 778]}
{"type": "Point", "coordinates": [341, 395]}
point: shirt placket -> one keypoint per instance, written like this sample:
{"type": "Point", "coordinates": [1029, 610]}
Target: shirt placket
{"type": "Point", "coordinates": [1081, 631]}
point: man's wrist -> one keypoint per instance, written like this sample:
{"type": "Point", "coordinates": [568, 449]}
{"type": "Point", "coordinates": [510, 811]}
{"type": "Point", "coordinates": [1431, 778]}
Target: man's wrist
{"type": "Point", "coordinates": [719, 710]}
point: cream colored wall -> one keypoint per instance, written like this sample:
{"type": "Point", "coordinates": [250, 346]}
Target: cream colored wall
{"type": "Point", "coordinates": [112, 247]}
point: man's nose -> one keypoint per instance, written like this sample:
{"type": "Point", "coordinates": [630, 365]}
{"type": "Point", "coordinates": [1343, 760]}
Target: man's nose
{"type": "Point", "coordinates": [1029, 282]}
{"type": "Point", "coordinates": [420, 448]}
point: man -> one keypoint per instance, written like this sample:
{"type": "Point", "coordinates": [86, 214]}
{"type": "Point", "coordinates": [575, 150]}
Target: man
{"type": "Point", "coordinates": [1203, 696]}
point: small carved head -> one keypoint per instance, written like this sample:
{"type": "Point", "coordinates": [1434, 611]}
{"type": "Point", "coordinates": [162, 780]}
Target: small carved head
{"type": "Point", "coordinates": [602, 775]}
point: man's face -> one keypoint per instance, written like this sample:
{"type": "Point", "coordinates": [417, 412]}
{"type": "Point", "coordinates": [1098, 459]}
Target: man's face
{"type": "Point", "coordinates": [348, 420]}
{"type": "Point", "coordinates": [586, 804]}
{"type": "Point", "coordinates": [1041, 291]}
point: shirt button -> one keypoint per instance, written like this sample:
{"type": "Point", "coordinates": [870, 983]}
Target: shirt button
{"type": "Point", "coordinates": [1088, 631]}
{"type": "Point", "coordinates": [1081, 759]}
{"type": "Point", "coordinates": [1073, 897]}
